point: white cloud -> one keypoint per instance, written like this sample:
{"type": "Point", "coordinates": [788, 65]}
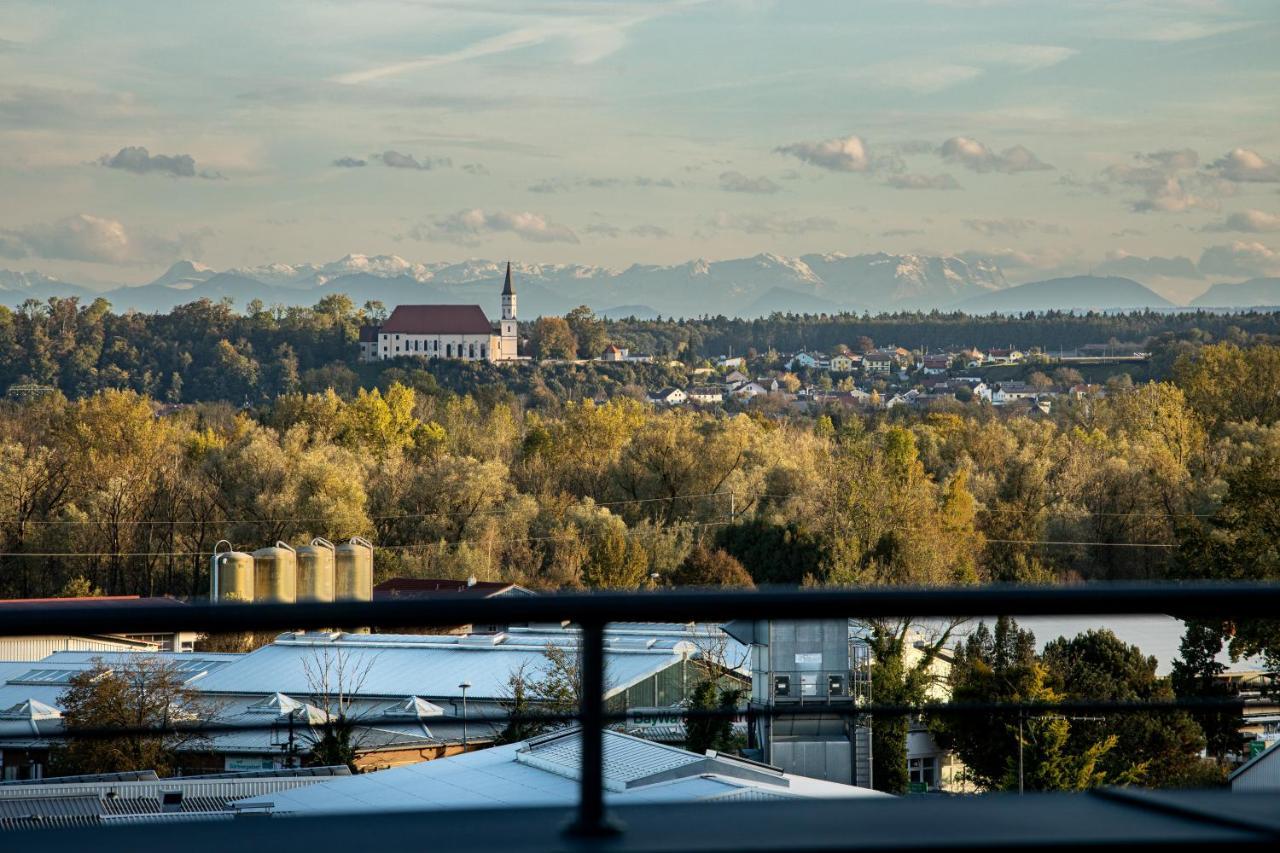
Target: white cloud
{"type": "Point", "coordinates": [91, 239]}
{"type": "Point", "coordinates": [771, 223]}
{"type": "Point", "coordinates": [736, 182]}
{"type": "Point", "coordinates": [842, 154]}
{"type": "Point", "coordinates": [975, 155]}
{"type": "Point", "coordinates": [923, 182]}
{"type": "Point", "coordinates": [350, 162]}
{"type": "Point", "coordinates": [1247, 166]}
{"type": "Point", "coordinates": [1240, 259]}
{"type": "Point", "coordinates": [653, 232]}
{"type": "Point", "coordinates": [1013, 227]}
{"type": "Point", "coordinates": [1136, 266]}
{"type": "Point", "coordinates": [1248, 222]}
{"type": "Point", "coordinates": [136, 159]}
{"type": "Point", "coordinates": [397, 160]}
{"type": "Point", "coordinates": [469, 226]}
{"type": "Point", "coordinates": [1028, 57]}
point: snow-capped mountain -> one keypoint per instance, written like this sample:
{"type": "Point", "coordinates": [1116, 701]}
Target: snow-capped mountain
{"type": "Point", "coordinates": [737, 287]}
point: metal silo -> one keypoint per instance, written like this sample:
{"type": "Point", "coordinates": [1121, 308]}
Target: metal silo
{"type": "Point", "coordinates": [316, 571]}
{"type": "Point", "coordinates": [354, 570]}
{"type": "Point", "coordinates": [230, 575]}
{"type": "Point", "coordinates": [275, 572]}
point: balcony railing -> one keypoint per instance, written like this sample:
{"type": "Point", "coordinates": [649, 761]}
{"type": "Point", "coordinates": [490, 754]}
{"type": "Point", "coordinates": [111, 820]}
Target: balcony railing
{"type": "Point", "coordinates": [592, 612]}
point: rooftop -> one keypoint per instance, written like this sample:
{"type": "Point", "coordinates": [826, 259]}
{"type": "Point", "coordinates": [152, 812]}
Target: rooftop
{"type": "Point", "coordinates": [438, 320]}
{"type": "Point", "coordinates": [545, 771]}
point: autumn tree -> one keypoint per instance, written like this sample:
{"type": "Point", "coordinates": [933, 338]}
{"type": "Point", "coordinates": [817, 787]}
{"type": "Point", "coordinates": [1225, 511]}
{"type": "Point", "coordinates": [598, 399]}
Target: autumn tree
{"type": "Point", "coordinates": [146, 697]}
{"type": "Point", "coordinates": [552, 338]}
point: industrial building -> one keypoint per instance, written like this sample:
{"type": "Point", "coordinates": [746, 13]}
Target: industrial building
{"type": "Point", "coordinates": [142, 797]}
{"type": "Point", "coordinates": [544, 771]}
{"type": "Point", "coordinates": [39, 647]}
{"type": "Point", "coordinates": [404, 692]}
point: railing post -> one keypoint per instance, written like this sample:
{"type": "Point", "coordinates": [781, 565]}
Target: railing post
{"type": "Point", "coordinates": [591, 820]}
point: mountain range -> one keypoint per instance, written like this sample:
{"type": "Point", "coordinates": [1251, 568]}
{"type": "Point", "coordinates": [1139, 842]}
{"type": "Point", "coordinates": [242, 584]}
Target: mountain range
{"type": "Point", "coordinates": [744, 287]}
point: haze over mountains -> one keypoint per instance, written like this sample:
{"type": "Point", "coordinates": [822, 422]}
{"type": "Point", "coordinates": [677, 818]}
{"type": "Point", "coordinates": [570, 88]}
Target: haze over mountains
{"type": "Point", "coordinates": [746, 287]}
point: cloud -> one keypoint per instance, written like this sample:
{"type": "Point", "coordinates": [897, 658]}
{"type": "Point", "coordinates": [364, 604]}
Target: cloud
{"type": "Point", "coordinates": [736, 182]}
{"type": "Point", "coordinates": [350, 162]}
{"type": "Point", "coordinates": [1123, 263]}
{"type": "Point", "coordinates": [1247, 221]}
{"type": "Point", "coordinates": [136, 159]}
{"type": "Point", "coordinates": [654, 232]}
{"type": "Point", "coordinates": [975, 155]}
{"type": "Point", "coordinates": [397, 160]}
{"type": "Point", "coordinates": [1240, 259]}
{"type": "Point", "coordinates": [91, 239]}
{"type": "Point", "coordinates": [901, 232]}
{"type": "Point", "coordinates": [564, 185]}
{"type": "Point", "coordinates": [842, 154]}
{"type": "Point", "coordinates": [909, 181]}
{"type": "Point", "coordinates": [469, 226]}
{"type": "Point", "coordinates": [771, 223]}
{"type": "Point", "coordinates": [1245, 165]}
{"type": "Point", "coordinates": [1013, 227]}
{"type": "Point", "coordinates": [474, 168]}
{"type": "Point", "coordinates": [1028, 57]}
{"type": "Point", "coordinates": [1166, 180]}
{"type": "Point", "coordinates": [604, 229]}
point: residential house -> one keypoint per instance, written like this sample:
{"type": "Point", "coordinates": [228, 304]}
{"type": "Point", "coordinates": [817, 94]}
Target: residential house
{"type": "Point", "coordinates": [706, 395]}
{"type": "Point", "coordinates": [669, 397]}
{"type": "Point", "coordinates": [803, 360]}
{"type": "Point", "coordinates": [736, 362]}
{"type": "Point", "coordinates": [736, 377]}
{"type": "Point", "coordinates": [613, 352]}
{"type": "Point", "coordinates": [880, 361]}
{"type": "Point", "coordinates": [1004, 355]}
{"type": "Point", "coordinates": [936, 363]}
{"type": "Point", "coordinates": [1008, 392]}
{"type": "Point", "coordinates": [748, 390]}
{"type": "Point", "coordinates": [845, 363]}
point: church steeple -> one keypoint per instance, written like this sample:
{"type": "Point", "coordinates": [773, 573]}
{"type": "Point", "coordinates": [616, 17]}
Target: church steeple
{"type": "Point", "coordinates": [507, 289]}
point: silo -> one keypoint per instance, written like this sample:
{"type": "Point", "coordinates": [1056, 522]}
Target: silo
{"type": "Point", "coordinates": [354, 570]}
{"type": "Point", "coordinates": [275, 572]}
{"type": "Point", "coordinates": [315, 571]}
{"type": "Point", "coordinates": [230, 575]}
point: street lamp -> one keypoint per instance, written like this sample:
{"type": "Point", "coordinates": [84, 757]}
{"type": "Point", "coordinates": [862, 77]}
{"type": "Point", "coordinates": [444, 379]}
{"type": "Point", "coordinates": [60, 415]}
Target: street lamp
{"type": "Point", "coordinates": [464, 685]}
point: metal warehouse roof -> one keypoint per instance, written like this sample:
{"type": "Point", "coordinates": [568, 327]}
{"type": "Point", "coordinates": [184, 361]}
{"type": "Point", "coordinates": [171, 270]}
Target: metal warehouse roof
{"type": "Point", "coordinates": [400, 665]}
{"type": "Point", "coordinates": [544, 772]}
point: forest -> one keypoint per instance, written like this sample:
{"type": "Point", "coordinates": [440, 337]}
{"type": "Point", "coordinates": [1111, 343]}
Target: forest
{"type": "Point", "coordinates": [122, 482]}
{"type": "Point", "coordinates": [207, 352]}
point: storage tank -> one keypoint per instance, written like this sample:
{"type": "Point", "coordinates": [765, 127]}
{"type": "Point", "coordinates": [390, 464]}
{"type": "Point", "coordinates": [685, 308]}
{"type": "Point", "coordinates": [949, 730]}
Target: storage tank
{"type": "Point", "coordinates": [315, 571]}
{"type": "Point", "coordinates": [230, 575]}
{"type": "Point", "coordinates": [275, 571]}
{"type": "Point", "coordinates": [354, 570]}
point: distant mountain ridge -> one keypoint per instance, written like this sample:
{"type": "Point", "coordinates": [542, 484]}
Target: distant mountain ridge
{"type": "Point", "coordinates": [1073, 293]}
{"type": "Point", "coordinates": [1254, 293]}
{"type": "Point", "coordinates": [745, 287]}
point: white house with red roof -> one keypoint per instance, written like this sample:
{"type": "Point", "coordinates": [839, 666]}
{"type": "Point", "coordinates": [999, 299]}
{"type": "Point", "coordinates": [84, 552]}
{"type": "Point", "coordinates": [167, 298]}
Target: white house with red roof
{"type": "Point", "coordinates": [458, 332]}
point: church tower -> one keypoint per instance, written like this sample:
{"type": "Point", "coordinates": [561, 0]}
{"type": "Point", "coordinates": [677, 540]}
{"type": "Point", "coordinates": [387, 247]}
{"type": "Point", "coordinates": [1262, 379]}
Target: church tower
{"type": "Point", "coordinates": [508, 331]}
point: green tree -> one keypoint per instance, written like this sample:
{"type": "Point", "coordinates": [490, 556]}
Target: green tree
{"type": "Point", "coordinates": [588, 331]}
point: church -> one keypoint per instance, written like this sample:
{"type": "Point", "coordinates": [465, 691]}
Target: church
{"type": "Point", "coordinates": [460, 332]}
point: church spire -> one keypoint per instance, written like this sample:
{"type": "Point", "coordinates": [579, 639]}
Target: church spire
{"type": "Point", "coordinates": [507, 289]}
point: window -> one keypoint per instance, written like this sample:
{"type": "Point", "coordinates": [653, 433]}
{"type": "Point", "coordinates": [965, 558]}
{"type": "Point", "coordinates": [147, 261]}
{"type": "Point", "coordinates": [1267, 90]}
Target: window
{"type": "Point", "coordinates": [923, 770]}
{"type": "Point", "coordinates": [782, 685]}
{"type": "Point", "coordinates": [472, 351]}
{"type": "Point", "coordinates": [448, 350]}
{"type": "Point", "coordinates": [808, 684]}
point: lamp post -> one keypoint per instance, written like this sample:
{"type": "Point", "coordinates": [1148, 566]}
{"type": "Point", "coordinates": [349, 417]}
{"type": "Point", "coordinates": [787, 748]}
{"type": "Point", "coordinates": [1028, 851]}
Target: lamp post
{"type": "Point", "coordinates": [464, 685]}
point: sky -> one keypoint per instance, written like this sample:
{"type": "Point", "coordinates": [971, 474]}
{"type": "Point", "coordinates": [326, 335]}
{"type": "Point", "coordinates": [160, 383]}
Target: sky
{"type": "Point", "coordinates": [1138, 138]}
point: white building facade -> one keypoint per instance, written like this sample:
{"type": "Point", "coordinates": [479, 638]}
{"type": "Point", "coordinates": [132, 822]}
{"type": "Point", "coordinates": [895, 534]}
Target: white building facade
{"type": "Point", "coordinates": [457, 332]}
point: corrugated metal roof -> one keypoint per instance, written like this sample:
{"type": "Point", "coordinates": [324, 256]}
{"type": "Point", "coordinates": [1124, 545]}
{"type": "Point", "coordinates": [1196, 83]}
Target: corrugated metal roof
{"type": "Point", "coordinates": [501, 777]}
{"type": "Point", "coordinates": [72, 804]}
{"type": "Point", "coordinates": [406, 665]}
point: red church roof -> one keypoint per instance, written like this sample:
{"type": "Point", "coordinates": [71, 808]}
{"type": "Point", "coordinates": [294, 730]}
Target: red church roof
{"type": "Point", "coordinates": [438, 320]}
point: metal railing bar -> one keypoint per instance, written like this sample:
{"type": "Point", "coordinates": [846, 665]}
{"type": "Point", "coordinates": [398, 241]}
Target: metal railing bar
{"type": "Point", "coordinates": [1192, 705]}
{"type": "Point", "coordinates": [1186, 600]}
